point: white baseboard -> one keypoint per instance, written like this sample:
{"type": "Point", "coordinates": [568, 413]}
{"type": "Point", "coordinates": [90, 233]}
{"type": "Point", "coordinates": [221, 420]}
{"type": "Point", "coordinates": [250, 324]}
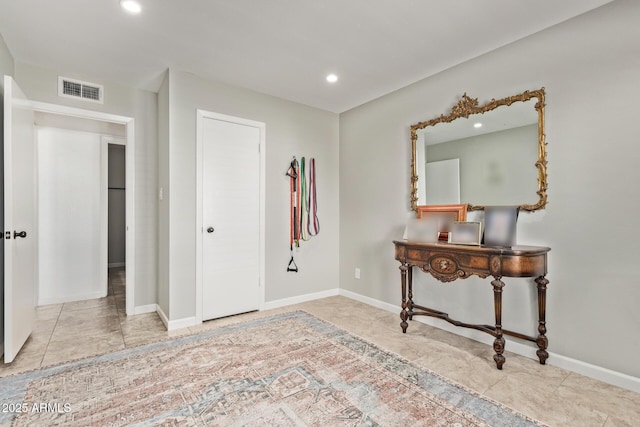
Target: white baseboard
{"type": "Point", "coordinates": [172, 325]}
{"type": "Point", "coordinates": [299, 299]}
{"type": "Point", "coordinates": [116, 264]}
{"type": "Point", "coordinates": [593, 371]}
{"type": "Point", "coordinates": [143, 309]}
{"type": "Point", "coordinates": [374, 302]}
{"type": "Point", "coordinates": [71, 298]}
{"type": "Point", "coordinates": [163, 316]}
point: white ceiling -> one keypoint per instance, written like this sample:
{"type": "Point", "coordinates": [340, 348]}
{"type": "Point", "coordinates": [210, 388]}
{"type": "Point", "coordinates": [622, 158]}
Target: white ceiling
{"type": "Point", "coordinates": [284, 48]}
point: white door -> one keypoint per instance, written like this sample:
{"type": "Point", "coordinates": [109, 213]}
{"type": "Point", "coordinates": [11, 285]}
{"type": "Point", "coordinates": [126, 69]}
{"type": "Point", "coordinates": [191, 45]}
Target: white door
{"type": "Point", "coordinates": [230, 217]}
{"type": "Point", "coordinates": [19, 220]}
{"type": "Point", "coordinates": [72, 215]}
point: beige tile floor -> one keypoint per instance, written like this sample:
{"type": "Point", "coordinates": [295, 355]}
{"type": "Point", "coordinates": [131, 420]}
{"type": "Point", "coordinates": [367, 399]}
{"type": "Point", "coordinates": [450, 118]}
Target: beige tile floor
{"type": "Point", "coordinates": [555, 396]}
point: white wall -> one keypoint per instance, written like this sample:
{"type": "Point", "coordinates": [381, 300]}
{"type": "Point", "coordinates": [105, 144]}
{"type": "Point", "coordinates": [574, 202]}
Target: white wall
{"type": "Point", "coordinates": [80, 124]}
{"type": "Point", "coordinates": [117, 175]}
{"type": "Point", "coordinates": [72, 215]}
{"type": "Point", "coordinates": [590, 67]}
{"type": "Point", "coordinates": [291, 129]}
{"type": "Point", "coordinates": [41, 85]}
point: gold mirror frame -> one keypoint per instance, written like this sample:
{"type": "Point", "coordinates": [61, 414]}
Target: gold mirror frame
{"type": "Point", "coordinates": [468, 106]}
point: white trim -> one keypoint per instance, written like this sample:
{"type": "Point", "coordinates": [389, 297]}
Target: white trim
{"type": "Point", "coordinates": [114, 140]}
{"type": "Point", "coordinates": [172, 325]}
{"type": "Point", "coordinates": [163, 316]}
{"type": "Point", "coordinates": [200, 115]}
{"type": "Point", "coordinates": [130, 217]}
{"type": "Point", "coordinates": [129, 122]}
{"type": "Point", "coordinates": [104, 210]}
{"type": "Point", "coordinates": [370, 301]}
{"type": "Point", "coordinates": [598, 372]}
{"type": "Point", "coordinates": [144, 309]}
{"type": "Point", "coordinates": [61, 299]}
{"type": "Point", "coordinates": [182, 323]}
{"type": "Point", "coordinates": [593, 371]}
{"type": "Point", "coordinates": [299, 299]}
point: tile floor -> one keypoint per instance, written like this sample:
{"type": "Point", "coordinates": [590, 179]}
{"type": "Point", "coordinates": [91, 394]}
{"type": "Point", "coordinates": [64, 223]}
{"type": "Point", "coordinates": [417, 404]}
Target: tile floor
{"type": "Point", "coordinates": [555, 396]}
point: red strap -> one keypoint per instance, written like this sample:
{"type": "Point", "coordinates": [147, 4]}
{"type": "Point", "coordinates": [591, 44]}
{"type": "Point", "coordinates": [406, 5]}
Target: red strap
{"type": "Point", "coordinates": [292, 173]}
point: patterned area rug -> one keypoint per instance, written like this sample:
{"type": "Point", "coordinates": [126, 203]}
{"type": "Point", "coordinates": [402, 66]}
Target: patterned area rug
{"type": "Point", "coordinates": [286, 370]}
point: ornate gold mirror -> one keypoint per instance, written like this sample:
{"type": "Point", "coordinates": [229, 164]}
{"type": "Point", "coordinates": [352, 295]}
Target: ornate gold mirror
{"type": "Point", "coordinates": [481, 155]}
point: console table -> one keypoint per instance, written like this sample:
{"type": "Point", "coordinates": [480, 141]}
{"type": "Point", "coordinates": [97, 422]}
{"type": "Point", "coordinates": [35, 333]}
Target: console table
{"type": "Point", "coordinates": [448, 262]}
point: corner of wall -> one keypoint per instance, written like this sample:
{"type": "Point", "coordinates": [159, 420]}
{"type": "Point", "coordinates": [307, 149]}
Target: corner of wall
{"type": "Point", "coordinates": [7, 63]}
{"type": "Point", "coordinates": [163, 247]}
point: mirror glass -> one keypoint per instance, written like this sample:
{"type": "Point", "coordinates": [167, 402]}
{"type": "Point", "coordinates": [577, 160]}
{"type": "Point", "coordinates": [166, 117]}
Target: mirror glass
{"type": "Point", "coordinates": [487, 155]}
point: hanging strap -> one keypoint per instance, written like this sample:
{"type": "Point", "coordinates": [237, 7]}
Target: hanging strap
{"type": "Point", "coordinates": [293, 175]}
{"type": "Point", "coordinates": [313, 223]}
{"type": "Point", "coordinates": [303, 206]}
{"type": "Point", "coordinates": [292, 264]}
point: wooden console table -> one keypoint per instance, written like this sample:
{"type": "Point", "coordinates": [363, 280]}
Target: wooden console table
{"type": "Point", "coordinates": [448, 262]}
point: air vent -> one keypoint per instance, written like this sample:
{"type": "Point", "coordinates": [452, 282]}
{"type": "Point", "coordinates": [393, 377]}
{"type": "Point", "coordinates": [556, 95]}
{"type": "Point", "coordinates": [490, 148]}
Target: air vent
{"type": "Point", "coordinates": [70, 88]}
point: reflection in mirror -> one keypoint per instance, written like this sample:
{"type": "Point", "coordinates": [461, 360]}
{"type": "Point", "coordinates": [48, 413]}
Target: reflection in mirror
{"type": "Point", "coordinates": [489, 155]}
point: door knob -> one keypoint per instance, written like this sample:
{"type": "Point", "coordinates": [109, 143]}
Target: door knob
{"type": "Point", "coordinates": [210, 230]}
{"type": "Point", "coordinates": [17, 234]}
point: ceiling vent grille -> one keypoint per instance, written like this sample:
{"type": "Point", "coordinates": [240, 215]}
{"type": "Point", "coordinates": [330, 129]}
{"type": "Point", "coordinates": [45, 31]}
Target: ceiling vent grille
{"type": "Point", "coordinates": [71, 88]}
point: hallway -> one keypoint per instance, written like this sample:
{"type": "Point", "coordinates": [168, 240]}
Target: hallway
{"type": "Point", "coordinates": [78, 329]}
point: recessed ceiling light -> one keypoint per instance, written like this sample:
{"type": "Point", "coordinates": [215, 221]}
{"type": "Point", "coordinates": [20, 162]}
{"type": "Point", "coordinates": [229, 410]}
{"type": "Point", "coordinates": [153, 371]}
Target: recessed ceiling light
{"type": "Point", "coordinates": [131, 6]}
{"type": "Point", "coordinates": [332, 78]}
{"type": "Point", "coordinates": [477, 125]}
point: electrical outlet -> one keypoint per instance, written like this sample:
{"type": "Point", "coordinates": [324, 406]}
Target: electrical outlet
{"type": "Point", "coordinates": [357, 273]}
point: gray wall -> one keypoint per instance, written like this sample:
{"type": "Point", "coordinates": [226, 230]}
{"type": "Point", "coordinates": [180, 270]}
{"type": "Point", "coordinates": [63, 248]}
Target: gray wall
{"type": "Point", "coordinates": [6, 68]}
{"type": "Point", "coordinates": [163, 205]}
{"type": "Point", "coordinates": [41, 85]}
{"type": "Point", "coordinates": [6, 60]}
{"type": "Point", "coordinates": [291, 129]}
{"type": "Point", "coordinates": [590, 67]}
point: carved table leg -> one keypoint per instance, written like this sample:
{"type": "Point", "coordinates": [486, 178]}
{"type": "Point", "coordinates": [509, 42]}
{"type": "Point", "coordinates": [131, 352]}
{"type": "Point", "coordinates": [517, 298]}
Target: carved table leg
{"type": "Point", "coordinates": [498, 343]}
{"type": "Point", "coordinates": [403, 314]}
{"type": "Point", "coordinates": [410, 286]}
{"type": "Point", "coordinates": [542, 341]}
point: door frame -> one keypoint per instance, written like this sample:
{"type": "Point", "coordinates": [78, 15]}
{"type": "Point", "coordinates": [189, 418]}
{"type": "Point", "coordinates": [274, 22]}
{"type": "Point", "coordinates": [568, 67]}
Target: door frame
{"type": "Point", "coordinates": [129, 123]}
{"type": "Point", "coordinates": [201, 115]}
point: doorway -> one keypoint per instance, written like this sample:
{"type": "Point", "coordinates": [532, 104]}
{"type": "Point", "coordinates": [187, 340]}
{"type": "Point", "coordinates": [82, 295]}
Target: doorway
{"type": "Point", "coordinates": [81, 207]}
{"type": "Point", "coordinates": [229, 215]}
{"type": "Point", "coordinates": [20, 197]}
{"type": "Point", "coordinates": [120, 131]}
{"type": "Point", "coordinates": [72, 215]}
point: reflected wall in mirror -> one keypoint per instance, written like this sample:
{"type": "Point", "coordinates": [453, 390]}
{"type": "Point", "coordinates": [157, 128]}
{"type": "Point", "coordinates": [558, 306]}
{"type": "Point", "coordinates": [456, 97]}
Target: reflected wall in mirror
{"type": "Point", "coordinates": [494, 154]}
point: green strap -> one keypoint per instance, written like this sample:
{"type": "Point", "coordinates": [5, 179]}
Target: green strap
{"type": "Point", "coordinates": [304, 202]}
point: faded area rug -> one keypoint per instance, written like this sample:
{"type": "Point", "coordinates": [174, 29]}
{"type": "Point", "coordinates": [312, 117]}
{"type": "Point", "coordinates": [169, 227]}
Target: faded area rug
{"type": "Point", "coordinates": [286, 370]}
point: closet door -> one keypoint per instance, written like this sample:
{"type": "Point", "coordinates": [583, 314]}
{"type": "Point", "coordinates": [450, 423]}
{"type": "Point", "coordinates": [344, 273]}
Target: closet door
{"type": "Point", "coordinates": [231, 217]}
